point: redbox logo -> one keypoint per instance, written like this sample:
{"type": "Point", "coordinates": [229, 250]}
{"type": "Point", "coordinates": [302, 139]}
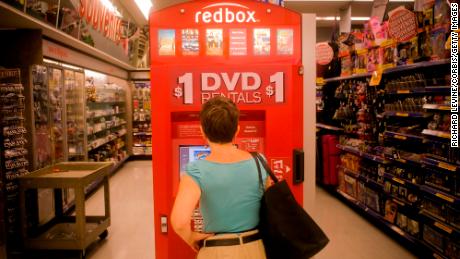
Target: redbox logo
{"type": "Point", "coordinates": [225, 13]}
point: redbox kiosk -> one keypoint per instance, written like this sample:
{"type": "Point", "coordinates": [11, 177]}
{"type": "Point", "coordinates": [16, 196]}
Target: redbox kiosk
{"type": "Point", "coordinates": [245, 50]}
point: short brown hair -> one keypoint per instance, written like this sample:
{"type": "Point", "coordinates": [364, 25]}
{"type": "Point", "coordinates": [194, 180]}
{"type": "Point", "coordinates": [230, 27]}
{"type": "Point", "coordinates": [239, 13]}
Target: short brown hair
{"type": "Point", "coordinates": [219, 119]}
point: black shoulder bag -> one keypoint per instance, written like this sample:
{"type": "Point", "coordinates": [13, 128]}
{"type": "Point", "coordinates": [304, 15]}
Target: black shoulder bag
{"type": "Point", "coordinates": [287, 231]}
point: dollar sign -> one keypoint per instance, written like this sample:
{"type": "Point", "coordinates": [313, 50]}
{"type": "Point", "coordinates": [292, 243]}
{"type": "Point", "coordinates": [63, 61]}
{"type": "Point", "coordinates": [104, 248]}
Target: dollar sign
{"type": "Point", "coordinates": [178, 92]}
{"type": "Point", "coordinates": [269, 90]}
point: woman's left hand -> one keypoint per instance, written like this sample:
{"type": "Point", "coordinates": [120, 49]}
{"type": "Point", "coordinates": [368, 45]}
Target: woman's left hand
{"type": "Point", "coordinates": [195, 240]}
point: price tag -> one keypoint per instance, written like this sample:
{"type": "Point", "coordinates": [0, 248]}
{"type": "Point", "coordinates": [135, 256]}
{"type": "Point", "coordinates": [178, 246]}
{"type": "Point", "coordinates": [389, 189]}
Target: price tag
{"type": "Point", "coordinates": [398, 180]}
{"type": "Point", "coordinates": [444, 197]}
{"type": "Point", "coordinates": [402, 114]}
{"type": "Point", "coordinates": [376, 78]}
{"type": "Point", "coordinates": [443, 227]}
{"type": "Point", "coordinates": [447, 166]}
{"type": "Point", "coordinates": [400, 137]}
{"type": "Point", "coordinates": [320, 81]}
{"type": "Point", "coordinates": [444, 135]}
{"type": "Point", "coordinates": [403, 91]}
{"type": "Point", "coordinates": [444, 108]}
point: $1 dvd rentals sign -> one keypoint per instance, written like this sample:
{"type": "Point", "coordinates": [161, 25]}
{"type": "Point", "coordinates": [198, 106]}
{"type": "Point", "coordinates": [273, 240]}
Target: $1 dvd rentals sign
{"type": "Point", "coordinates": [241, 86]}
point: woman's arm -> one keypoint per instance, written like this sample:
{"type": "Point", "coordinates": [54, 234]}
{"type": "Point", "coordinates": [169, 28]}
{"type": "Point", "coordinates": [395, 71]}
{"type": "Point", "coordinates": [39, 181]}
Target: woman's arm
{"type": "Point", "coordinates": [186, 200]}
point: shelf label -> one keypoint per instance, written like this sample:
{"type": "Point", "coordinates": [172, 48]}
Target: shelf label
{"type": "Point", "coordinates": [402, 114]}
{"type": "Point", "coordinates": [376, 77]}
{"type": "Point", "coordinates": [443, 227]}
{"type": "Point", "coordinates": [398, 180]}
{"type": "Point", "coordinates": [447, 166]}
{"type": "Point", "coordinates": [400, 137]}
{"type": "Point", "coordinates": [320, 81]}
{"type": "Point", "coordinates": [401, 160]}
{"type": "Point", "coordinates": [444, 197]}
{"type": "Point", "coordinates": [403, 91]}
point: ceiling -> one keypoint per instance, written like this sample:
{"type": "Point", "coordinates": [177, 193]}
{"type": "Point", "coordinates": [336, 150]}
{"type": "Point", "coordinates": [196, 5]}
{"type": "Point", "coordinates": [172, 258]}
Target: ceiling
{"type": "Point", "coordinates": [359, 8]}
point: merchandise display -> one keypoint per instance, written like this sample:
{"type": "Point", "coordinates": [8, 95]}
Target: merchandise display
{"type": "Point", "coordinates": [13, 155]}
{"type": "Point", "coordinates": [75, 96]}
{"type": "Point", "coordinates": [396, 164]}
{"type": "Point", "coordinates": [142, 126]}
{"type": "Point", "coordinates": [106, 126]}
{"type": "Point", "coordinates": [407, 174]}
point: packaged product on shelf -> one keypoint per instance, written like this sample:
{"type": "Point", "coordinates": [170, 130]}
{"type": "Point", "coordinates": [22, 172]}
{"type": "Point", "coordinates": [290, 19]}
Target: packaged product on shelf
{"type": "Point", "coordinates": [452, 249]}
{"type": "Point", "coordinates": [372, 199]}
{"type": "Point", "coordinates": [453, 216]}
{"type": "Point", "coordinates": [350, 185]}
{"type": "Point", "coordinates": [360, 61]}
{"type": "Point", "coordinates": [413, 227]}
{"type": "Point", "coordinates": [373, 59]}
{"type": "Point", "coordinates": [434, 208]}
{"type": "Point", "coordinates": [391, 209]}
{"type": "Point", "coordinates": [389, 54]}
{"type": "Point", "coordinates": [347, 66]}
{"type": "Point", "coordinates": [433, 237]}
{"type": "Point", "coordinates": [440, 180]}
{"type": "Point", "coordinates": [361, 192]}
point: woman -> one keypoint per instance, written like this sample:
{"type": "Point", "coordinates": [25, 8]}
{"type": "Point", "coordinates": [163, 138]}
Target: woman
{"type": "Point", "coordinates": [226, 185]}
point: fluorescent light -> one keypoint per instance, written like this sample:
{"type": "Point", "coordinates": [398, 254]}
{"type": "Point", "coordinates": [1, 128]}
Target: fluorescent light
{"type": "Point", "coordinates": [332, 18]}
{"type": "Point", "coordinates": [144, 6]}
{"type": "Point", "coordinates": [111, 7]}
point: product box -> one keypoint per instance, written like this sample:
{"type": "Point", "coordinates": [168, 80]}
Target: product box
{"type": "Point", "coordinates": [360, 61]}
{"type": "Point", "coordinates": [373, 59]}
{"type": "Point", "coordinates": [433, 237]}
{"type": "Point", "coordinates": [372, 199]}
{"type": "Point", "coordinates": [391, 209]}
{"type": "Point", "coordinates": [347, 66]}
{"type": "Point", "coordinates": [389, 54]}
{"type": "Point", "coordinates": [438, 40]}
{"type": "Point", "coordinates": [350, 185]}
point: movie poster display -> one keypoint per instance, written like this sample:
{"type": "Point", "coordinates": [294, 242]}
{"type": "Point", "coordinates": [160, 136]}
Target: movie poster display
{"type": "Point", "coordinates": [262, 42]}
{"type": "Point", "coordinates": [285, 41]}
{"type": "Point", "coordinates": [238, 42]}
{"type": "Point", "coordinates": [214, 42]}
{"type": "Point", "coordinates": [190, 42]}
{"type": "Point", "coordinates": [166, 42]}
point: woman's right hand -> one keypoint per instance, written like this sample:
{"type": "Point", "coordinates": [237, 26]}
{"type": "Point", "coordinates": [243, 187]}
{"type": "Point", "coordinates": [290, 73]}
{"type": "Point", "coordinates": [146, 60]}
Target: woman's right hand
{"type": "Point", "coordinates": [196, 238]}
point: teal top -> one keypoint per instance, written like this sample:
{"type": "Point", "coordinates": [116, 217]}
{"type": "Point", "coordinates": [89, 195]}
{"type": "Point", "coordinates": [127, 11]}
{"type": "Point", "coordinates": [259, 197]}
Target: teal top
{"type": "Point", "coordinates": [230, 194]}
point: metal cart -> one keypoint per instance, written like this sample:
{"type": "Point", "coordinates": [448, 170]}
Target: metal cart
{"type": "Point", "coordinates": [67, 232]}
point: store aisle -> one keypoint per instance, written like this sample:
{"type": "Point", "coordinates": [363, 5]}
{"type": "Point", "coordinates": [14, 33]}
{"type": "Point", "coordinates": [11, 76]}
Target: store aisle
{"type": "Point", "coordinates": [131, 233]}
{"type": "Point", "coordinates": [131, 199]}
{"type": "Point", "coordinates": [351, 236]}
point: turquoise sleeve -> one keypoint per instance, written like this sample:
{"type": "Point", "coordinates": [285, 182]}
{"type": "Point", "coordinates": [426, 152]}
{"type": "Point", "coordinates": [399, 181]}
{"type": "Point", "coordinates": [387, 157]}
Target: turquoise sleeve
{"type": "Point", "coordinates": [193, 171]}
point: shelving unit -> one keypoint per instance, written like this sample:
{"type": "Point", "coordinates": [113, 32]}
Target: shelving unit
{"type": "Point", "coordinates": [105, 119]}
{"type": "Point", "coordinates": [410, 174]}
{"type": "Point", "coordinates": [142, 127]}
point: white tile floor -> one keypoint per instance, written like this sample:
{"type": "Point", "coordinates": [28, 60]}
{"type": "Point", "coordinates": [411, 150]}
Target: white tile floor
{"type": "Point", "coordinates": [131, 233]}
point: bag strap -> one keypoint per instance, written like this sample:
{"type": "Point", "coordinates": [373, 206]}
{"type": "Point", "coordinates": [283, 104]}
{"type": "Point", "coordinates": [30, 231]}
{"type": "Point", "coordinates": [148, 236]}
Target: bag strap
{"type": "Point", "coordinates": [254, 155]}
{"type": "Point", "coordinates": [259, 159]}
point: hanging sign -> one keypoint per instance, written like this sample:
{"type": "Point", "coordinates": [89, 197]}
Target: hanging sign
{"type": "Point", "coordinates": [104, 20]}
{"type": "Point", "coordinates": [402, 24]}
{"type": "Point", "coordinates": [324, 53]}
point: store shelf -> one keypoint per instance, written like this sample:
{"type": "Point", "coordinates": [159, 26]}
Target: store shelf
{"type": "Point", "coordinates": [401, 181]}
{"type": "Point", "coordinates": [113, 127]}
{"type": "Point", "coordinates": [403, 136]}
{"type": "Point", "coordinates": [436, 133]}
{"type": "Point", "coordinates": [142, 145]}
{"type": "Point", "coordinates": [407, 114]}
{"type": "Point", "coordinates": [377, 217]}
{"type": "Point", "coordinates": [392, 70]}
{"type": "Point", "coordinates": [328, 127]}
{"type": "Point", "coordinates": [442, 195]}
{"type": "Point", "coordinates": [416, 65]}
{"type": "Point", "coordinates": [106, 102]}
{"type": "Point", "coordinates": [107, 115]}
{"type": "Point", "coordinates": [411, 91]}
{"type": "Point", "coordinates": [142, 133]}
{"type": "Point", "coordinates": [439, 107]}
{"type": "Point", "coordinates": [142, 154]}
{"type": "Point", "coordinates": [437, 89]}
{"type": "Point", "coordinates": [440, 164]}
{"type": "Point", "coordinates": [334, 79]}
{"type": "Point", "coordinates": [363, 154]}
{"type": "Point", "coordinates": [98, 146]}
{"type": "Point", "coordinates": [444, 227]}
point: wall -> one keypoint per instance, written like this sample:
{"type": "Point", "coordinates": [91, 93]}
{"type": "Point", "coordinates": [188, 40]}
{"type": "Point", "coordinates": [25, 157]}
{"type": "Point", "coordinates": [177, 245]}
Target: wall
{"type": "Point", "coordinates": [309, 109]}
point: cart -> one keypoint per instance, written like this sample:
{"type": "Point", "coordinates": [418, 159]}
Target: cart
{"type": "Point", "coordinates": [67, 232]}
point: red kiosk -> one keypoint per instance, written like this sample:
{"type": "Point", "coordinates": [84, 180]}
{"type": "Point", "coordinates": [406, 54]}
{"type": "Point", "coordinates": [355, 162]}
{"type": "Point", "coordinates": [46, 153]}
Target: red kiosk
{"type": "Point", "coordinates": [246, 50]}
